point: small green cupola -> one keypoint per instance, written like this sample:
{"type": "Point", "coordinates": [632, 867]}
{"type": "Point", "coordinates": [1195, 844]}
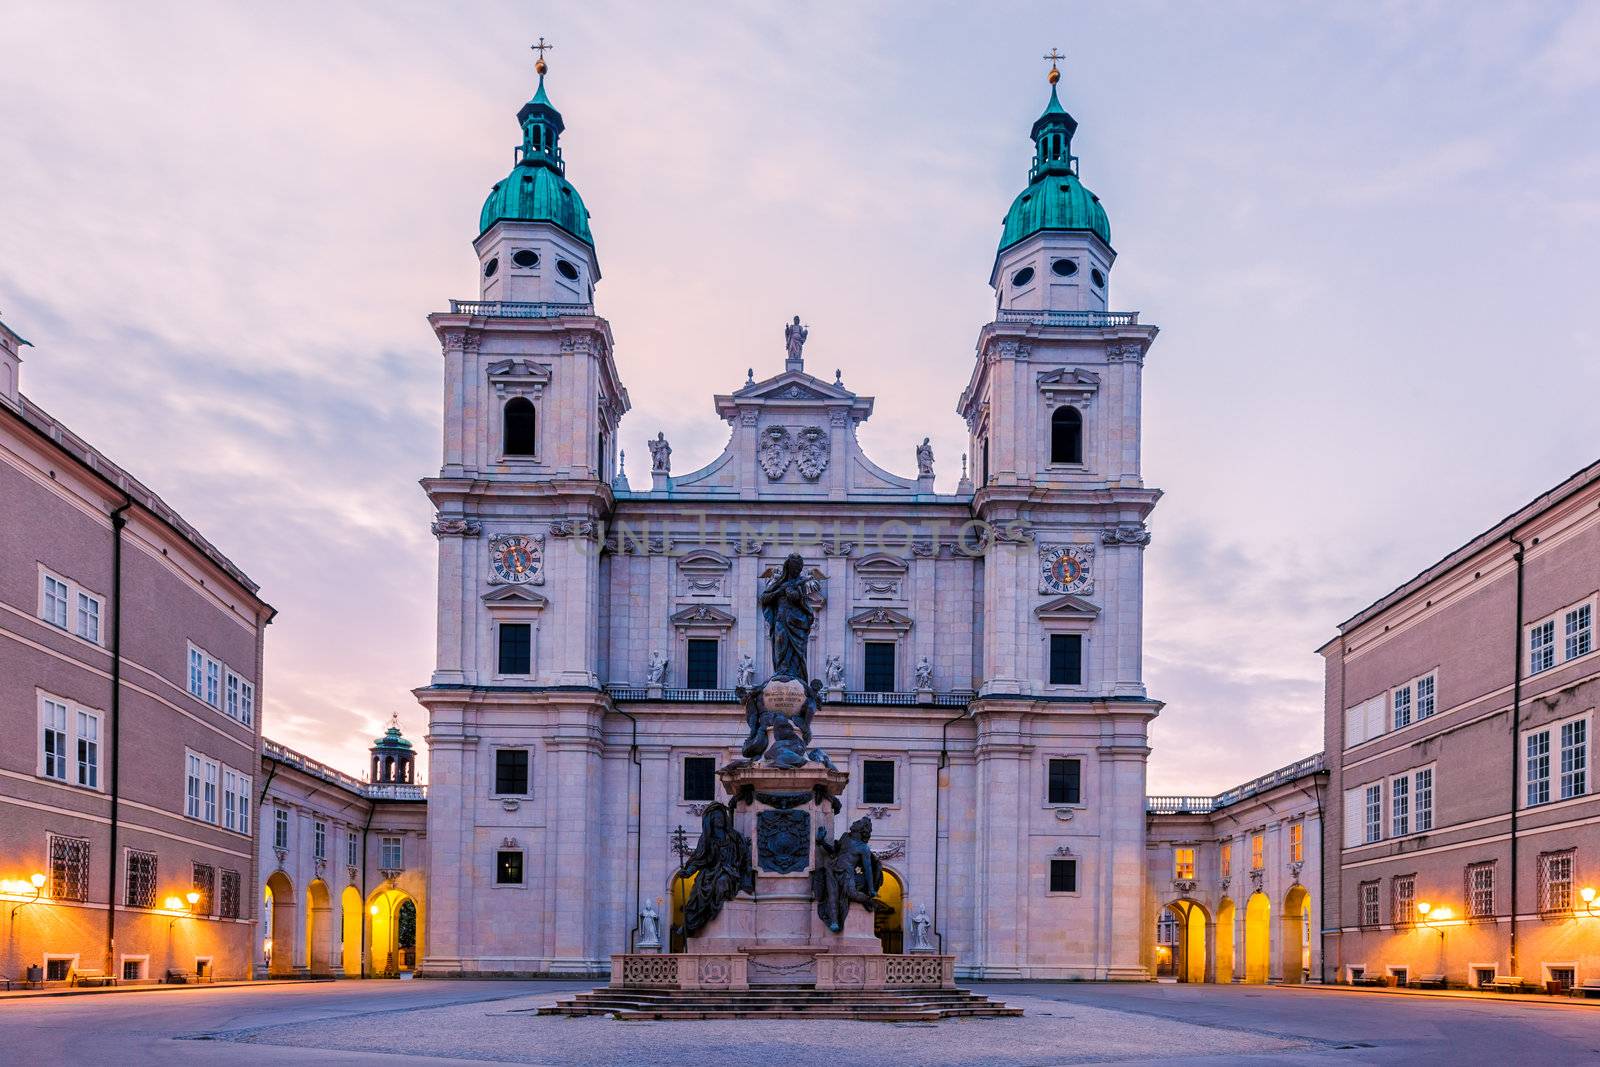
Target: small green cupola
{"type": "Point", "coordinates": [1055, 199]}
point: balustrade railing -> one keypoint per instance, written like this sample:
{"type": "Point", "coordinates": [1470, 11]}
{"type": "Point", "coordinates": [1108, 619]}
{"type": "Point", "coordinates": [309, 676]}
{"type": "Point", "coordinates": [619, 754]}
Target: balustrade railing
{"type": "Point", "coordinates": [1080, 319]}
{"type": "Point", "coordinates": [958, 698]}
{"type": "Point", "coordinates": [509, 309]}
{"type": "Point", "coordinates": [1181, 805]}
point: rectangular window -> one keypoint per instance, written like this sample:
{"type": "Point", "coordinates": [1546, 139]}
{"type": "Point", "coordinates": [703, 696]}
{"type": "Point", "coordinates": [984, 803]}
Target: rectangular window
{"type": "Point", "coordinates": [702, 663]}
{"type": "Point", "coordinates": [1066, 659]}
{"type": "Point", "coordinates": [1225, 858]}
{"type": "Point", "coordinates": [1369, 904]}
{"type": "Point", "coordinates": [1297, 842]}
{"type": "Point", "coordinates": [1063, 876]}
{"type": "Point", "coordinates": [89, 617]}
{"type": "Point", "coordinates": [280, 828]}
{"type": "Point", "coordinates": [230, 799]}
{"type": "Point", "coordinates": [699, 778]}
{"type": "Point", "coordinates": [508, 867]}
{"type": "Point", "coordinates": [1427, 688]}
{"type": "Point", "coordinates": [230, 895]}
{"type": "Point", "coordinates": [1258, 852]}
{"type": "Point", "coordinates": [213, 682]}
{"type": "Point", "coordinates": [352, 849]}
{"type": "Point", "coordinates": [391, 856]}
{"type": "Point", "coordinates": [232, 705]}
{"type": "Point", "coordinates": [133, 970]}
{"type": "Point", "coordinates": [197, 672]}
{"type": "Point", "coordinates": [191, 786]}
{"type": "Point", "coordinates": [1403, 899]}
{"type": "Point", "coordinates": [1400, 807]}
{"type": "Point", "coordinates": [53, 738]}
{"type": "Point", "coordinates": [878, 675]}
{"type": "Point", "coordinates": [1422, 800]}
{"type": "Point", "coordinates": [516, 648]}
{"type": "Point", "coordinates": [205, 883]}
{"type": "Point", "coordinates": [319, 840]}
{"type": "Point", "coordinates": [1480, 890]}
{"type": "Point", "coordinates": [1580, 631]}
{"type": "Point", "coordinates": [511, 772]}
{"type": "Point", "coordinates": [1555, 882]}
{"type": "Point", "coordinates": [1183, 863]}
{"type": "Point", "coordinates": [1374, 814]}
{"type": "Point", "coordinates": [209, 792]}
{"type": "Point", "coordinates": [1066, 781]}
{"type": "Point", "coordinates": [54, 606]}
{"type": "Point", "coordinates": [1542, 647]}
{"type": "Point", "coordinates": [88, 750]}
{"type": "Point", "coordinates": [1538, 774]}
{"type": "Point", "coordinates": [58, 968]}
{"type": "Point", "coordinates": [877, 781]}
{"type": "Point", "coordinates": [1574, 758]}
{"type": "Point", "coordinates": [140, 886]}
{"type": "Point", "coordinates": [247, 702]}
{"type": "Point", "coordinates": [1402, 707]}
{"type": "Point", "coordinates": [69, 868]}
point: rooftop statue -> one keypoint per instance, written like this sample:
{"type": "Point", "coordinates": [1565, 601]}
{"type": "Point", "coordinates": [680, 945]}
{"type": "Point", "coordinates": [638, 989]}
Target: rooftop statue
{"type": "Point", "coordinates": [794, 338]}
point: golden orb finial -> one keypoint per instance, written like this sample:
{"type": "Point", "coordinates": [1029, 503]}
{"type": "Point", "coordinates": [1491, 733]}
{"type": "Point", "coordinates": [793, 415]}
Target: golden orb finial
{"type": "Point", "coordinates": [1055, 71]}
{"type": "Point", "coordinates": [539, 65]}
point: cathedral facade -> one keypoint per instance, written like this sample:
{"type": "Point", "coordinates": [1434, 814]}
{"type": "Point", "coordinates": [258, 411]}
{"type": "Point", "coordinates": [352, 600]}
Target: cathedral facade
{"type": "Point", "coordinates": [979, 651]}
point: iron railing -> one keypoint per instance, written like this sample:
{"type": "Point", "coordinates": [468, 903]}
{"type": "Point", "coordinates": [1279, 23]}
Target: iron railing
{"type": "Point", "coordinates": [1081, 319]}
{"type": "Point", "coordinates": [1188, 805]}
{"type": "Point", "coordinates": [958, 698]}
{"type": "Point", "coordinates": [507, 309]}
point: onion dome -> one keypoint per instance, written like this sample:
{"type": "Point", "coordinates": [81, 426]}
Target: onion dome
{"type": "Point", "coordinates": [537, 190]}
{"type": "Point", "coordinates": [391, 740]}
{"type": "Point", "coordinates": [1055, 199]}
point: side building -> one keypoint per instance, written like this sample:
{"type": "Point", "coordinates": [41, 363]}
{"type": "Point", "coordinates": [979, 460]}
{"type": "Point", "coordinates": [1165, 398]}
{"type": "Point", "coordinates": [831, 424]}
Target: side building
{"type": "Point", "coordinates": [130, 678]}
{"type": "Point", "coordinates": [1234, 881]}
{"type": "Point", "coordinates": [1466, 839]}
{"type": "Point", "coordinates": [344, 864]}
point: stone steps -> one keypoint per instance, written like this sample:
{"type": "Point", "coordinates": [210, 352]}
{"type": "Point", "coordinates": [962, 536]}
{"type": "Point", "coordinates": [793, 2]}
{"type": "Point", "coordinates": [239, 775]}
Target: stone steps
{"type": "Point", "coordinates": [782, 1003]}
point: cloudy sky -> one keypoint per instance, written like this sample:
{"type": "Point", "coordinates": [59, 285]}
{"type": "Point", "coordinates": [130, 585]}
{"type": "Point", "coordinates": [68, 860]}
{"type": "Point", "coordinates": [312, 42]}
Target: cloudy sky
{"type": "Point", "coordinates": [1368, 232]}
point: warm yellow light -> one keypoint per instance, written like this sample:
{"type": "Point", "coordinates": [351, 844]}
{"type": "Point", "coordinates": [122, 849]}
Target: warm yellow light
{"type": "Point", "coordinates": [38, 881]}
{"type": "Point", "coordinates": [1423, 907]}
{"type": "Point", "coordinates": [373, 910]}
{"type": "Point", "coordinates": [192, 897]}
{"type": "Point", "coordinates": [172, 904]}
{"type": "Point", "coordinates": [266, 944]}
{"type": "Point", "coordinates": [1587, 893]}
{"type": "Point", "coordinates": [1443, 914]}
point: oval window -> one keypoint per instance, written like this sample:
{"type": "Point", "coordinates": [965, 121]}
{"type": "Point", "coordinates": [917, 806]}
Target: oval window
{"type": "Point", "coordinates": [1023, 276]}
{"type": "Point", "coordinates": [525, 257]}
{"type": "Point", "coordinates": [1064, 267]}
{"type": "Point", "coordinates": [490, 267]}
{"type": "Point", "coordinates": [1098, 279]}
{"type": "Point", "coordinates": [567, 270]}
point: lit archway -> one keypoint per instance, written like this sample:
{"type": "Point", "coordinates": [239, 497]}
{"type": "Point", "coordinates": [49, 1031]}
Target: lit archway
{"type": "Point", "coordinates": [1257, 938]}
{"type": "Point", "coordinates": [350, 929]}
{"type": "Point", "coordinates": [319, 928]}
{"type": "Point", "coordinates": [278, 940]}
{"type": "Point", "coordinates": [394, 932]}
{"type": "Point", "coordinates": [1296, 935]}
{"type": "Point", "coordinates": [889, 925]}
{"type": "Point", "coordinates": [1188, 940]}
{"type": "Point", "coordinates": [678, 892]}
{"type": "Point", "coordinates": [1225, 920]}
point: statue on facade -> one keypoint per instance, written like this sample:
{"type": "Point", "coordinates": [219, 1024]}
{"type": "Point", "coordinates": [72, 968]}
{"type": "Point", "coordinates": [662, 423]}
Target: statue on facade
{"type": "Point", "coordinates": [789, 618]}
{"type": "Point", "coordinates": [925, 459]}
{"type": "Point", "coordinates": [649, 927]}
{"type": "Point", "coordinates": [721, 866]}
{"type": "Point", "coordinates": [919, 930]}
{"type": "Point", "coordinates": [656, 672]}
{"type": "Point", "coordinates": [747, 672]}
{"type": "Point", "coordinates": [660, 454]}
{"type": "Point", "coordinates": [924, 674]}
{"type": "Point", "coordinates": [833, 671]}
{"type": "Point", "coordinates": [794, 338]}
{"type": "Point", "coordinates": [846, 871]}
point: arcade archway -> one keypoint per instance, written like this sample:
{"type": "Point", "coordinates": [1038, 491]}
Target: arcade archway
{"type": "Point", "coordinates": [678, 892]}
{"type": "Point", "coordinates": [1257, 939]}
{"type": "Point", "coordinates": [278, 939]}
{"type": "Point", "coordinates": [1188, 940]}
{"type": "Point", "coordinates": [319, 928]}
{"type": "Point", "coordinates": [350, 930]}
{"type": "Point", "coordinates": [889, 925]}
{"type": "Point", "coordinates": [1226, 916]}
{"type": "Point", "coordinates": [394, 932]}
{"type": "Point", "coordinates": [1296, 935]}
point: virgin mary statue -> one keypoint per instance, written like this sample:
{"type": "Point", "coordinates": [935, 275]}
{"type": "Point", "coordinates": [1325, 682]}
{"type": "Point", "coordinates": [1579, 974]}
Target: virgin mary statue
{"type": "Point", "coordinates": [789, 619]}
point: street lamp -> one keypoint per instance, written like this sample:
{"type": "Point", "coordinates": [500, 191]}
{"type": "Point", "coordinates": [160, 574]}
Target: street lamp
{"type": "Point", "coordinates": [35, 882]}
{"type": "Point", "coordinates": [1587, 895]}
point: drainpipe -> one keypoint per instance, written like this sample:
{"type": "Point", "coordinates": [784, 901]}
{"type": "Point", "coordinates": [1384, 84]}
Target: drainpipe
{"type": "Point", "coordinates": [638, 827]}
{"type": "Point", "coordinates": [1516, 727]}
{"type": "Point", "coordinates": [938, 806]}
{"type": "Point", "coordinates": [118, 521]}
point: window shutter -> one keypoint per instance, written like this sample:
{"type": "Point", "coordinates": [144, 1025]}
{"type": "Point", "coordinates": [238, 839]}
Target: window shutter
{"type": "Point", "coordinates": [1355, 725]}
{"type": "Point", "coordinates": [1354, 813]}
{"type": "Point", "coordinates": [1377, 709]}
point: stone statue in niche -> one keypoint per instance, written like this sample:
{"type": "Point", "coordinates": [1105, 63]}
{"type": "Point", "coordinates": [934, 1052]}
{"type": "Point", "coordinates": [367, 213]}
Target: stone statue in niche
{"type": "Point", "coordinates": [846, 870]}
{"type": "Point", "coordinates": [747, 672]}
{"type": "Point", "coordinates": [789, 618]}
{"type": "Point", "coordinates": [656, 672]}
{"type": "Point", "coordinates": [649, 927]}
{"type": "Point", "coordinates": [833, 671]}
{"type": "Point", "coordinates": [924, 674]}
{"type": "Point", "coordinates": [794, 338]}
{"type": "Point", "coordinates": [919, 930]}
{"type": "Point", "coordinates": [721, 866]}
{"type": "Point", "coordinates": [925, 459]}
{"type": "Point", "coordinates": [660, 454]}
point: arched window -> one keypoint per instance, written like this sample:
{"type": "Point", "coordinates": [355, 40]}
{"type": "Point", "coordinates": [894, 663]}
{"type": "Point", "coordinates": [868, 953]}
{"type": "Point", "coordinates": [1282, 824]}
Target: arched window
{"type": "Point", "coordinates": [519, 428]}
{"type": "Point", "coordinates": [1066, 436]}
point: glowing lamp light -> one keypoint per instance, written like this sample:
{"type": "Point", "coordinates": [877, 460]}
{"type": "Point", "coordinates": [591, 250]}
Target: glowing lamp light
{"type": "Point", "coordinates": [192, 897]}
{"type": "Point", "coordinates": [38, 882]}
{"type": "Point", "coordinates": [373, 910]}
{"type": "Point", "coordinates": [1443, 914]}
{"type": "Point", "coordinates": [266, 944]}
{"type": "Point", "coordinates": [1587, 894]}
{"type": "Point", "coordinates": [1423, 907]}
{"type": "Point", "coordinates": [172, 904]}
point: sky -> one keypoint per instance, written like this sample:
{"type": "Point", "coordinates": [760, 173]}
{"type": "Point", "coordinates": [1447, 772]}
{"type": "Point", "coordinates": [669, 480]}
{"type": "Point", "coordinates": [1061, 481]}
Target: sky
{"type": "Point", "coordinates": [1369, 233]}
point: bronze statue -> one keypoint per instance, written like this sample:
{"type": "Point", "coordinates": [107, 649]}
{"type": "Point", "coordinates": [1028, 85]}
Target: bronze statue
{"type": "Point", "coordinates": [789, 618]}
{"type": "Point", "coordinates": [721, 864]}
{"type": "Point", "coordinates": [846, 870]}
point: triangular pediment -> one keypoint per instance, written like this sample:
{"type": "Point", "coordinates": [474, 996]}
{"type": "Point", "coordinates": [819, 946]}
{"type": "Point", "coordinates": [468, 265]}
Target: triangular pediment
{"type": "Point", "coordinates": [702, 615]}
{"type": "Point", "coordinates": [1069, 376]}
{"type": "Point", "coordinates": [880, 619]}
{"type": "Point", "coordinates": [514, 596]}
{"type": "Point", "coordinates": [794, 385]}
{"type": "Point", "coordinates": [1069, 608]}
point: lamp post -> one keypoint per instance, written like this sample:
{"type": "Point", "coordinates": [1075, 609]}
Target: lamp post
{"type": "Point", "coordinates": [35, 882]}
{"type": "Point", "coordinates": [181, 907]}
{"type": "Point", "coordinates": [1587, 895]}
{"type": "Point", "coordinates": [1435, 919]}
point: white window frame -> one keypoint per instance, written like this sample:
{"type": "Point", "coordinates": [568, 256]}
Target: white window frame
{"type": "Point", "coordinates": [1426, 704]}
{"type": "Point", "coordinates": [1258, 856]}
{"type": "Point", "coordinates": [87, 621]}
{"type": "Point", "coordinates": [205, 674]}
{"type": "Point", "coordinates": [1545, 882]}
{"type": "Point", "coordinates": [71, 608]}
{"type": "Point", "coordinates": [202, 779]}
{"type": "Point", "coordinates": [196, 673]}
{"type": "Point", "coordinates": [1577, 631]}
{"type": "Point", "coordinates": [1400, 703]}
{"type": "Point", "coordinates": [235, 801]}
{"type": "Point", "coordinates": [1560, 769]}
{"type": "Point", "coordinates": [1535, 760]}
{"type": "Point", "coordinates": [1422, 815]}
{"type": "Point", "coordinates": [494, 878]}
{"type": "Point", "coordinates": [280, 821]}
{"type": "Point", "coordinates": [55, 737]}
{"type": "Point", "coordinates": [1372, 814]}
{"type": "Point", "coordinates": [1376, 904]}
{"type": "Point", "coordinates": [1297, 841]}
{"type": "Point", "coordinates": [55, 599]}
{"type": "Point", "coordinates": [352, 849]}
{"type": "Point", "coordinates": [399, 854]}
{"type": "Point", "coordinates": [1182, 869]}
{"type": "Point", "coordinates": [143, 960]}
{"type": "Point", "coordinates": [319, 839]}
{"type": "Point", "coordinates": [1541, 645]}
{"type": "Point", "coordinates": [1400, 805]}
{"type": "Point", "coordinates": [247, 702]}
{"type": "Point", "coordinates": [86, 747]}
{"type": "Point", "coordinates": [67, 733]}
{"type": "Point", "coordinates": [1473, 870]}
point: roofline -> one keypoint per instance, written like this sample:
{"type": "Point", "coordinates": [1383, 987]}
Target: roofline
{"type": "Point", "coordinates": [1505, 528]}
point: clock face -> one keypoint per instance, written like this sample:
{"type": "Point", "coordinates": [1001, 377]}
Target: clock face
{"type": "Point", "coordinates": [518, 559]}
{"type": "Point", "coordinates": [1065, 568]}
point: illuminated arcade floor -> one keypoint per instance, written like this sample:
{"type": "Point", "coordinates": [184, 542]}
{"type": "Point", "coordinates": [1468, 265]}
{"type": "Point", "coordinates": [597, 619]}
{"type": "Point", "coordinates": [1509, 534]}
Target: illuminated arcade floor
{"type": "Point", "coordinates": [465, 1022]}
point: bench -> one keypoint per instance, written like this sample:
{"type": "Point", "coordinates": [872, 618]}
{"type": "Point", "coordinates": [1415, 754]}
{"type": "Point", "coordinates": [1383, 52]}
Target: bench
{"type": "Point", "coordinates": [1369, 979]}
{"type": "Point", "coordinates": [187, 978]}
{"type": "Point", "coordinates": [1589, 988]}
{"type": "Point", "coordinates": [82, 976]}
{"type": "Point", "coordinates": [1429, 981]}
{"type": "Point", "coordinates": [1509, 984]}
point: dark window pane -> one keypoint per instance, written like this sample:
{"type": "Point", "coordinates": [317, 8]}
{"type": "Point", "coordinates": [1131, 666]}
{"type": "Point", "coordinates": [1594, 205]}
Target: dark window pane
{"type": "Point", "coordinates": [520, 426]}
{"type": "Point", "coordinates": [699, 778]}
{"type": "Point", "coordinates": [1063, 876]}
{"type": "Point", "coordinates": [702, 663]}
{"type": "Point", "coordinates": [877, 781]}
{"type": "Point", "coordinates": [1066, 659]}
{"type": "Point", "coordinates": [516, 648]}
{"type": "Point", "coordinates": [508, 868]}
{"type": "Point", "coordinates": [879, 674]}
{"type": "Point", "coordinates": [1065, 781]}
{"type": "Point", "coordinates": [511, 771]}
{"type": "Point", "coordinates": [1066, 436]}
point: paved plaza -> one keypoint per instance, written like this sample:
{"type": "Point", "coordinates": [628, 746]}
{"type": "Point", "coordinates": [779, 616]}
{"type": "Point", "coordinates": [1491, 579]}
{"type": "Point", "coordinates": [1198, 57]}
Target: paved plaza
{"type": "Point", "coordinates": [475, 1022]}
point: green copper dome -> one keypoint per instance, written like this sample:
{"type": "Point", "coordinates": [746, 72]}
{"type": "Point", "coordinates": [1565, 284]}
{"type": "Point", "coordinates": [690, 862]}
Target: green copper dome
{"type": "Point", "coordinates": [537, 190]}
{"type": "Point", "coordinates": [391, 739]}
{"type": "Point", "coordinates": [1055, 199]}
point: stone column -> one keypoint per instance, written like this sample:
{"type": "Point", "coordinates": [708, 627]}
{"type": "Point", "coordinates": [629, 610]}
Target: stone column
{"type": "Point", "coordinates": [452, 794]}
{"type": "Point", "coordinates": [575, 752]}
{"type": "Point", "coordinates": [1122, 778]}
{"type": "Point", "coordinates": [1002, 840]}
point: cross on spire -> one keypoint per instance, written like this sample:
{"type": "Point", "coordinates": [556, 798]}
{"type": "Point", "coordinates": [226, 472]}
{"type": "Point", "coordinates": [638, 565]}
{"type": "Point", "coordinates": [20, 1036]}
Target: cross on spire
{"type": "Point", "coordinates": [540, 65]}
{"type": "Point", "coordinates": [1054, 57]}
